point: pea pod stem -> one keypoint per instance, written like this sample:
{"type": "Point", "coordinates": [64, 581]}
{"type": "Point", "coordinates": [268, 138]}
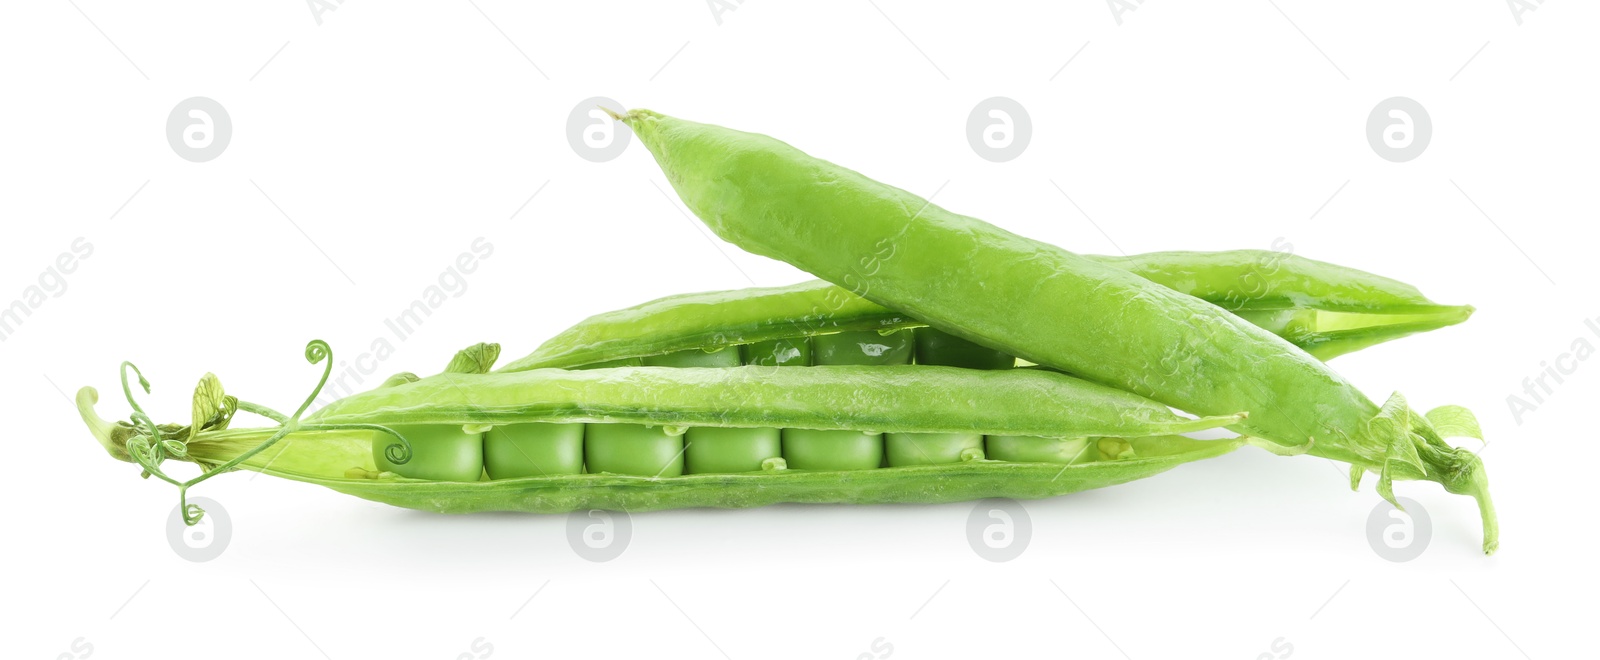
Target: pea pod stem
{"type": "Point", "coordinates": [149, 445]}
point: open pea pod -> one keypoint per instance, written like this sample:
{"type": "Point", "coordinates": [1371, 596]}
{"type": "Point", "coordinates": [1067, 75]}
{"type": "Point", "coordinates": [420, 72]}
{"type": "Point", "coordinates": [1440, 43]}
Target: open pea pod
{"type": "Point", "coordinates": [1326, 309]}
{"type": "Point", "coordinates": [868, 434]}
{"type": "Point", "coordinates": [318, 462]}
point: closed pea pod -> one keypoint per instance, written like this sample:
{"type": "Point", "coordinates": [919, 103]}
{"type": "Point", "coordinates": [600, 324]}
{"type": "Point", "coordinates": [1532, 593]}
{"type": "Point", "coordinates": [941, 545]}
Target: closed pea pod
{"type": "Point", "coordinates": [1043, 303]}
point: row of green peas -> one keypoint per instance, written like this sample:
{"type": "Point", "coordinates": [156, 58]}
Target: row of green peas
{"type": "Point", "coordinates": [457, 453]}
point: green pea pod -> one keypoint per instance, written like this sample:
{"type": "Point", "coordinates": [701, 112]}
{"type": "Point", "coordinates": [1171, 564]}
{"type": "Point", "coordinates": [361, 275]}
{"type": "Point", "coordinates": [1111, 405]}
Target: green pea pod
{"type": "Point", "coordinates": [318, 458]}
{"type": "Point", "coordinates": [1326, 309]}
{"type": "Point", "coordinates": [345, 446]}
{"type": "Point", "coordinates": [901, 399]}
{"type": "Point", "coordinates": [1042, 303]}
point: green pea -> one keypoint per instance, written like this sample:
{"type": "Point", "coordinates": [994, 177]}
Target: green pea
{"type": "Point", "coordinates": [931, 448]}
{"type": "Point", "coordinates": [533, 450]}
{"type": "Point", "coordinates": [694, 357]}
{"type": "Point", "coordinates": [809, 449]}
{"type": "Point", "coordinates": [646, 451]}
{"type": "Point", "coordinates": [1032, 449]}
{"type": "Point", "coordinates": [720, 450]}
{"type": "Point", "coordinates": [862, 347]}
{"type": "Point", "coordinates": [440, 452]}
{"type": "Point", "coordinates": [1114, 449]}
{"type": "Point", "coordinates": [938, 347]}
{"type": "Point", "coordinates": [794, 352]}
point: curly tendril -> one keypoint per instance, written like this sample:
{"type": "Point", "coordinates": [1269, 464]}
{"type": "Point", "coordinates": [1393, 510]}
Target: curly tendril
{"type": "Point", "coordinates": [398, 453]}
{"type": "Point", "coordinates": [316, 351]}
{"type": "Point", "coordinates": [127, 391]}
{"type": "Point", "coordinates": [148, 448]}
{"type": "Point", "coordinates": [192, 513]}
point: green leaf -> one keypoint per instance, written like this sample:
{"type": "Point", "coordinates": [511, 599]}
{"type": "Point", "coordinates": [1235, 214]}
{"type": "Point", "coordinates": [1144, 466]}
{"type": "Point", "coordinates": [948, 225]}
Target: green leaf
{"type": "Point", "coordinates": [1455, 422]}
{"type": "Point", "coordinates": [1392, 427]}
{"type": "Point", "coordinates": [209, 401]}
{"type": "Point", "coordinates": [400, 379]}
{"type": "Point", "coordinates": [475, 359]}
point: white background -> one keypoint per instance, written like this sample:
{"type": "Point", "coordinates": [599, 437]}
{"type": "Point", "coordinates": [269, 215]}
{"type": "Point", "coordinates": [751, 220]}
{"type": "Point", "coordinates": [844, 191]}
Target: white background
{"type": "Point", "coordinates": [371, 147]}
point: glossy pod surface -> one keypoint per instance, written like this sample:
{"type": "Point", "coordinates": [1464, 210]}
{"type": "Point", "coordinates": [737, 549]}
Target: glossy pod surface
{"type": "Point", "coordinates": [908, 399]}
{"type": "Point", "coordinates": [672, 421]}
{"type": "Point", "coordinates": [950, 482]}
{"type": "Point", "coordinates": [1041, 303]}
{"type": "Point", "coordinates": [637, 417]}
{"type": "Point", "coordinates": [1326, 309]}
{"type": "Point", "coordinates": [342, 460]}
